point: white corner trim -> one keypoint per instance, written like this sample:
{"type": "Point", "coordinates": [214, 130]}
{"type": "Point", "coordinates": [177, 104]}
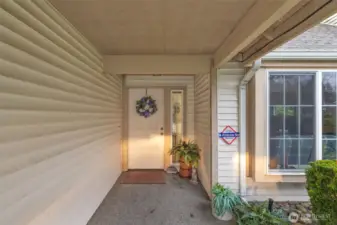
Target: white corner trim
{"type": "Point", "coordinates": [214, 125]}
{"type": "Point", "coordinates": [242, 153]}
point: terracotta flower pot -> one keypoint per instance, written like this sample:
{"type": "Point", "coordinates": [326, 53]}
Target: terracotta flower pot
{"type": "Point", "coordinates": [185, 170]}
{"type": "Point", "coordinates": [273, 163]}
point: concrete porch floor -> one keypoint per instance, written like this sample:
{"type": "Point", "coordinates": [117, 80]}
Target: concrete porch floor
{"type": "Point", "coordinates": [175, 203]}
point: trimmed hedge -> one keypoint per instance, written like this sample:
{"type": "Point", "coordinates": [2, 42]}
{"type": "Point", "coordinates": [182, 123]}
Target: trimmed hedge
{"type": "Point", "coordinates": [322, 190]}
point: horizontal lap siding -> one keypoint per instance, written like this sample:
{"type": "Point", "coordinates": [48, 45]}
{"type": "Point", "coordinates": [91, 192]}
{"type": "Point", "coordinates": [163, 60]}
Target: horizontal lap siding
{"type": "Point", "coordinates": [228, 114]}
{"type": "Point", "coordinates": [60, 119]}
{"type": "Point", "coordinates": [169, 81]}
{"type": "Point", "coordinates": [202, 127]}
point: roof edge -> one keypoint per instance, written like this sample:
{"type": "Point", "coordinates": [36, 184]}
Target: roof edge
{"type": "Point", "coordinates": [301, 55]}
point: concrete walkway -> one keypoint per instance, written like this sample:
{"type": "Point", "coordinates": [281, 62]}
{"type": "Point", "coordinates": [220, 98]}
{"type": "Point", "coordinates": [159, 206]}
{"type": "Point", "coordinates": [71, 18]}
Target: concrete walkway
{"type": "Point", "coordinates": [175, 203]}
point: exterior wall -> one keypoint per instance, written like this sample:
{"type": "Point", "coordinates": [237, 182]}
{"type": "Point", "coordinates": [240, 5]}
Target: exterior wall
{"type": "Point", "coordinates": [203, 127]}
{"type": "Point", "coordinates": [169, 80]}
{"type": "Point", "coordinates": [259, 185]}
{"type": "Point", "coordinates": [228, 80]}
{"type": "Point", "coordinates": [60, 120]}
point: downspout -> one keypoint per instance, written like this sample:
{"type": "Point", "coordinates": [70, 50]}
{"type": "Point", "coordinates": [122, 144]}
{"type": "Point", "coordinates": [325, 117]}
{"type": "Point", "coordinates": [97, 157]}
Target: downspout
{"type": "Point", "coordinates": [242, 153]}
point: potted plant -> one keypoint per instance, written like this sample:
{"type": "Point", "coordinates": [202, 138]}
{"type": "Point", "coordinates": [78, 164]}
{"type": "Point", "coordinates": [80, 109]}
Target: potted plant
{"type": "Point", "coordinates": [189, 155]}
{"type": "Point", "coordinates": [193, 160]}
{"type": "Point", "coordinates": [224, 201]}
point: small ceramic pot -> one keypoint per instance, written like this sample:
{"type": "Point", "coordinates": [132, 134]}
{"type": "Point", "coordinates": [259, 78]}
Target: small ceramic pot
{"type": "Point", "coordinates": [226, 217]}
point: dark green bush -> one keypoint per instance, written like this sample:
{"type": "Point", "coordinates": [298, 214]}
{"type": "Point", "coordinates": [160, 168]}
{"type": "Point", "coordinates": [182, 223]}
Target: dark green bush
{"type": "Point", "coordinates": [322, 190]}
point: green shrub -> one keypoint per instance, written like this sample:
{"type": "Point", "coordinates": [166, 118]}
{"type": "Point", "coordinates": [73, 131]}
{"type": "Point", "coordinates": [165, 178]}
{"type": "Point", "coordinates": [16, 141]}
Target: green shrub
{"type": "Point", "coordinates": [258, 214]}
{"type": "Point", "coordinates": [322, 190]}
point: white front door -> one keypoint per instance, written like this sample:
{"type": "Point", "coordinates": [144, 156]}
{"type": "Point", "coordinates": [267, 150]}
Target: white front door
{"type": "Point", "coordinates": [146, 138]}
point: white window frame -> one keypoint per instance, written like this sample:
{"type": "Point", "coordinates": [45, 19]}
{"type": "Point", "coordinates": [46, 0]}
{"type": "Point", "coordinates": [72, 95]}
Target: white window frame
{"type": "Point", "coordinates": [318, 118]}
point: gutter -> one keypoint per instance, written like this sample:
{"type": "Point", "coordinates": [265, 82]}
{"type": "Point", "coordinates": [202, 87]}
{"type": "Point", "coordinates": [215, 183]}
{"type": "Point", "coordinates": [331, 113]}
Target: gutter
{"type": "Point", "coordinates": [251, 72]}
{"type": "Point", "coordinates": [242, 152]}
{"type": "Point", "coordinates": [299, 55]}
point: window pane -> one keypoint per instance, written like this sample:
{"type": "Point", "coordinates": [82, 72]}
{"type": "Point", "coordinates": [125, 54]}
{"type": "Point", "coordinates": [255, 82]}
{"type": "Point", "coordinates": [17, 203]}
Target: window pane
{"type": "Point", "coordinates": [276, 121]}
{"type": "Point", "coordinates": [291, 122]}
{"type": "Point", "coordinates": [329, 122]}
{"type": "Point", "coordinates": [276, 153]}
{"type": "Point", "coordinates": [276, 83]}
{"type": "Point", "coordinates": [291, 160]}
{"type": "Point", "coordinates": [307, 153]}
{"type": "Point", "coordinates": [329, 115]}
{"type": "Point", "coordinates": [329, 149]}
{"type": "Point", "coordinates": [177, 111]}
{"type": "Point", "coordinates": [286, 157]}
{"type": "Point", "coordinates": [329, 88]}
{"type": "Point", "coordinates": [307, 90]}
{"type": "Point", "coordinates": [291, 90]}
{"type": "Point", "coordinates": [307, 121]}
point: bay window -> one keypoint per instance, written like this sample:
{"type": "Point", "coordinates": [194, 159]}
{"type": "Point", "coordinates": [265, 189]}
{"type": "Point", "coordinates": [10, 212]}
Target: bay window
{"type": "Point", "coordinates": [301, 119]}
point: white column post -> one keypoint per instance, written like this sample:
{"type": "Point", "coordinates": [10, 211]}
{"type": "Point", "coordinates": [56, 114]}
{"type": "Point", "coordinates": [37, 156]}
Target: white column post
{"type": "Point", "coordinates": [242, 137]}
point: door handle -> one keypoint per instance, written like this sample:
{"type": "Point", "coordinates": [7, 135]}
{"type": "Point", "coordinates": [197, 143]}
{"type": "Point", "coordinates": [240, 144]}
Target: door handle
{"type": "Point", "coordinates": [161, 133]}
{"type": "Point", "coordinates": [162, 128]}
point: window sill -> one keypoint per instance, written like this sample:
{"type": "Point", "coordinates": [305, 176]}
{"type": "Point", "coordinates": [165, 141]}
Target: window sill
{"type": "Point", "coordinates": [286, 172]}
{"type": "Point", "coordinates": [280, 177]}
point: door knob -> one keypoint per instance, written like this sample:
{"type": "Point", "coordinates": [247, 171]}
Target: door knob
{"type": "Point", "coordinates": [162, 128]}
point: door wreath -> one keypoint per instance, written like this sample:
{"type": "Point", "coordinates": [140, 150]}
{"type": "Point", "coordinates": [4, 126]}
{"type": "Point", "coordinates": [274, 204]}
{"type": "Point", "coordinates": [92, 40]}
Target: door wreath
{"type": "Point", "coordinates": [146, 106]}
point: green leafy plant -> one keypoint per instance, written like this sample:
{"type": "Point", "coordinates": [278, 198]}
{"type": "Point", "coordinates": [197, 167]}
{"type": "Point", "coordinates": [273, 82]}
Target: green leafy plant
{"type": "Point", "coordinates": [224, 200]}
{"type": "Point", "coordinates": [322, 190]}
{"type": "Point", "coordinates": [189, 151]}
{"type": "Point", "coordinates": [257, 214]}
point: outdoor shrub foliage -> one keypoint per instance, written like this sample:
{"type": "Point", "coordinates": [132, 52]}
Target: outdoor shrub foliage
{"type": "Point", "coordinates": [322, 190]}
{"type": "Point", "coordinates": [257, 214]}
{"type": "Point", "coordinates": [224, 199]}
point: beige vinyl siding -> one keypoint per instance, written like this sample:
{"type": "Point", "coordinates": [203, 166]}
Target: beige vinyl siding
{"type": "Point", "coordinates": [228, 80]}
{"type": "Point", "coordinates": [278, 191]}
{"type": "Point", "coordinates": [203, 127]}
{"type": "Point", "coordinates": [169, 81]}
{"type": "Point", "coordinates": [60, 119]}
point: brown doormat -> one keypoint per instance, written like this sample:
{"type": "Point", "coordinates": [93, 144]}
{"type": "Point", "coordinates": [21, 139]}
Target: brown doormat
{"type": "Point", "coordinates": [143, 177]}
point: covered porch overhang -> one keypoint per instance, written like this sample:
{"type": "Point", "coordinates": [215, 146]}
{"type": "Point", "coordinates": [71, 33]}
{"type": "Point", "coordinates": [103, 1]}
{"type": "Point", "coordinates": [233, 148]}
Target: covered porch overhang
{"type": "Point", "coordinates": [176, 37]}
{"type": "Point", "coordinates": [61, 108]}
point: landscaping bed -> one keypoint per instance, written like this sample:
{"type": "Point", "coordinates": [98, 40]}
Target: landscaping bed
{"type": "Point", "coordinates": [303, 209]}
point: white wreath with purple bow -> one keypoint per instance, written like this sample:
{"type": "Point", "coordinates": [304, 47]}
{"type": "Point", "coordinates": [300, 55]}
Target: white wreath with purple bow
{"type": "Point", "coordinates": [146, 106]}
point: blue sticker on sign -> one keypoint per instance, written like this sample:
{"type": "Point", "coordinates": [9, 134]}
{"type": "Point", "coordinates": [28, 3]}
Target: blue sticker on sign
{"type": "Point", "coordinates": [229, 135]}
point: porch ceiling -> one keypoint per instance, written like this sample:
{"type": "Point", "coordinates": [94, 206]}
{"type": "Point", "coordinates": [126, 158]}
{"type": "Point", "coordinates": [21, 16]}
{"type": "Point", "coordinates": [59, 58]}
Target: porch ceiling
{"type": "Point", "coordinates": [240, 30]}
{"type": "Point", "coordinates": [155, 26]}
